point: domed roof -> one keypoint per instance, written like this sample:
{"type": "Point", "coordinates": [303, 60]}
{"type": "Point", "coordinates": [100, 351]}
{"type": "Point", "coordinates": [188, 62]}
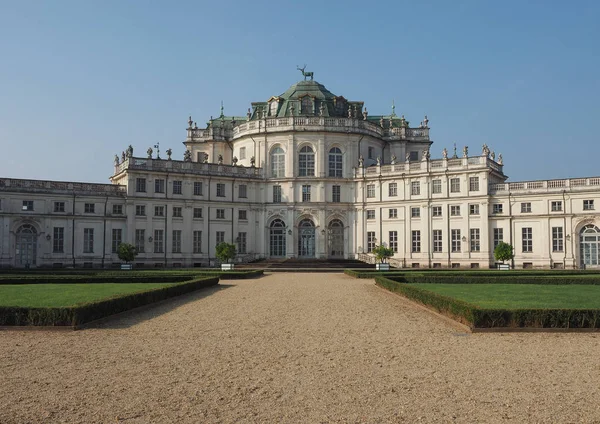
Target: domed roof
{"type": "Point", "coordinates": [312, 88]}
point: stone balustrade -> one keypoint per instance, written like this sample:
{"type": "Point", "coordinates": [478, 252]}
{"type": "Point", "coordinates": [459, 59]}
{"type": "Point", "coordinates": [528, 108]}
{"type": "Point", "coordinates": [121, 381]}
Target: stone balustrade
{"type": "Point", "coordinates": [42, 186]}
{"type": "Point", "coordinates": [182, 167]}
{"type": "Point", "coordinates": [545, 185]}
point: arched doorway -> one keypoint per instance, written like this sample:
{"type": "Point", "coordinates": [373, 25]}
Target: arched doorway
{"type": "Point", "coordinates": [26, 248]}
{"type": "Point", "coordinates": [335, 233]}
{"type": "Point", "coordinates": [306, 239]}
{"type": "Point", "coordinates": [589, 246]}
{"type": "Point", "coordinates": [277, 238]}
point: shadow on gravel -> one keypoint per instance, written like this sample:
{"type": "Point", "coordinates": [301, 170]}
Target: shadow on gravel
{"type": "Point", "coordinates": [138, 315]}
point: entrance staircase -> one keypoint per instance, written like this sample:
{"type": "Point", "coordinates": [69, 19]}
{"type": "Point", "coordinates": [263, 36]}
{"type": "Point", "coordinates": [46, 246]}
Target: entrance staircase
{"type": "Point", "coordinates": [306, 265]}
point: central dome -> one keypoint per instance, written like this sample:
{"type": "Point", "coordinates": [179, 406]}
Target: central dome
{"type": "Point", "coordinates": [311, 88]}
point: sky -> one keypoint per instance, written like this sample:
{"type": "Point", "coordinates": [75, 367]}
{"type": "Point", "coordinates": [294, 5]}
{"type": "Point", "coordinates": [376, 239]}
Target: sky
{"type": "Point", "coordinates": [81, 80]}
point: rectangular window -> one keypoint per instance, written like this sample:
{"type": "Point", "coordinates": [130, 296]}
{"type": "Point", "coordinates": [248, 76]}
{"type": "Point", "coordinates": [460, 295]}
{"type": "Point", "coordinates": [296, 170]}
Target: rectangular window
{"type": "Point", "coordinates": [370, 241]}
{"type": "Point", "coordinates": [415, 212]}
{"type": "Point", "coordinates": [455, 185]}
{"type": "Point", "coordinates": [557, 239]}
{"type": "Point", "coordinates": [456, 247]}
{"type": "Point", "coordinates": [243, 215]}
{"type": "Point", "coordinates": [473, 183]}
{"type": "Point", "coordinates": [556, 206]}
{"type": "Point", "coordinates": [413, 156]}
{"type": "Point", "coordinates": [117, 239]}
{"type": "Point", "coordinates": [58, 241]}
{"type": "Point", "coordinates": [416, 241]}
{"type": "Point", "coordinates": [497, 208]}
{"type": "Point", "coordinates": [498, 236]}
{"type": "Point", "coordinates": [59, 206]}
{"type": "Point", "coordinates": [177, 187]}
{"type": "Point", "coordinates": [197, 247]}
{"type": "Point", "coordinates": [370, 213]}
{"type": "Point", "coordinates": [220, 237]}
{"type": "Point", "coordinates": [243, 191]}
{"type": "Point", "coordinates": [140, 185]}
{"type": "Point", "coordinates": [306, 193]}
{"type": "Point", "coordinates": [394, 240]}
{"type": "Point", "coordinates": [473, 209]}
{"type": "Point", "coordinates": [89, 208]}
{"type": "Point", "coordinates": [393, 213]}
{"type": "Point", "coordinates": [370, 191]}
{"type": "Point", "coordinates": [197, 188]}
{"type": "Point", "coordinates": [436, 211]}
{"type": "Point", "coordinates": [588, 205]}
{"type": "Point", "coordinates": [140, 210]}
{"type": "Point", "coordinates": [197, 212]}
{"type": "Point", "coordinates": [527, 233]}
{"type": "Point", "coordinates": [455, 210]}
{"type": "Point", "coordinates": [336, 194]}
{"type": "Point", "coordinates": [371, 153]}
{"type": "Point", "coordinates": [437, 240]}
{"type": "Point", "coordinates": [242, 153]}
{"type": "Point", "coordinates": [177, 212]}
{"type": "Point", "coordinates": [525, 207]}
{"type": "Point", "coordinates": [220, 213]}
{"type": "Point", "coordinates": [415, 188]}
{"type": "Point", "coordinates": [475, 240]}
{"type": "Point", "coordinates": [241, 242]}
{"type": "Point", "coordinates": [393, 190]}
{"type": "Point", "coordinates": [159, 186]}
{"type": "Point", "coordinates": [159, 241]}
{"type": "Point", "coordinates": [277, 194]}
{"type": "Point", "coordinates": [88, 240]}
{"type": "Point", "coordinates": [176, 244]}
{"type": "Point", "coordinates": [117, 210]}
{"type": "Point", "coordinates": [437, 186]}
{"type": "Point", "coordinates": [159, 211]}
{"type": "Point", "coordinates": [140, 240]}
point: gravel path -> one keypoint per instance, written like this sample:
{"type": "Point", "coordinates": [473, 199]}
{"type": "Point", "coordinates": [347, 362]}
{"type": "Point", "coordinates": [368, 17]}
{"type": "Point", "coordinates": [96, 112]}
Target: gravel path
{"type": "Point", "coordinates": [295, 348]}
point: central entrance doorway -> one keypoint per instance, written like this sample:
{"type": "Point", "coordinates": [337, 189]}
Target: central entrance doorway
{"type": "Point", "coordinates": [335, 234]}
{"type": "Point", "coordinates": [306, 239]}
{"type": "Point", "coordinates": [26, 250]}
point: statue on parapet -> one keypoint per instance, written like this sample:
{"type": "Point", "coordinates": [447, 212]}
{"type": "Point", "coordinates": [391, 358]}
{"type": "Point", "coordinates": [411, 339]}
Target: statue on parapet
{"type": "Point", "coordinates": [365, 114]}
{"type": "Point", "coordinates": [116, 160]}
{"type": "Point", "coordinates": [187, 156]}
{"type": "Point", "coordinates": [493, 155]}
{"type": "Point", "coordinates": [123, 156]}
{"type": "Point", "coordinates": [149, 152]}
{"type": "Point", "coordinates": [361, 161]}
{"type": "Point", "coordinates": [407, 157]}
{"type": "Point", "coordinates": [500, 161]}
{"type": "Point", "coordinates": [129, 151]}
{"type": "Point", "coordinates": [485, 150]}
{"type": "Point", "coordinates": [378, 160]}
{"type": "Point", "coordinates": [252, 161]}
{"type": "Point", "coordinates": [169, 153]}
{"type": "Point", "coordinates": [394, 159]}
{"type": "Point", "coordinates": [205, 158]}
{"type": "Point", "coordinates": [234, 161]}
{"type": "Point", "coordinates": [445, 153]}
{"type": "Point", "coordinates": [465, 151]}
{"type": "Point", "coordinates": [425, 155]}
{"type": "Point", "coordinates": [220, 159]}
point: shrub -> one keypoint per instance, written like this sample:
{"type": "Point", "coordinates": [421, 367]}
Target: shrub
{"type": "Point", "coordinates": [127, 252]}
{"type": "Point", "coordinates": [503, 252]}
{"type": "Point", "coordinates": [225, 252]}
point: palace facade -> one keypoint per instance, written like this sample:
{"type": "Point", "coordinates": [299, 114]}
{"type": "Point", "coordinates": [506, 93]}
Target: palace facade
{"type": "Point", "coordinates": [306, 174]}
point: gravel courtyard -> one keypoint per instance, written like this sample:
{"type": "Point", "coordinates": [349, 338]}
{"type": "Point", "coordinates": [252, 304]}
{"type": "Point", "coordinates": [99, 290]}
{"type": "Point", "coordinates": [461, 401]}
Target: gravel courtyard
{"type": "Point", "coordinates": [295, 348]}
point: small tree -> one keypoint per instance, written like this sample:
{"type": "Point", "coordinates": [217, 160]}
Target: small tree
{"type": "Point", "coordinates": [127, 252]}
{"type": "Point", "coordinates": [382, 253]}
{"type": "Point", "coordinates": [225, 251]}
{"type": "Point", "coordinates": [503, 252]}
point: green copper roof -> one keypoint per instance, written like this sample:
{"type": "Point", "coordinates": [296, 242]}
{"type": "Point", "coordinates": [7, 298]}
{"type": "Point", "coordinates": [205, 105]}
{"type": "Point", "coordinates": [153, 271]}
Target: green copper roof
{"type": "Point", "coordinates": [303, 88]}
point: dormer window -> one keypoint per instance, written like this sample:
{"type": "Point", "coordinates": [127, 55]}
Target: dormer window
{"type": "Point", "coordinates": [306, 106]}
{"type": "Point", "coordinates": [341, 107]}
{"type": "Point", "coordinates": [273, 108]}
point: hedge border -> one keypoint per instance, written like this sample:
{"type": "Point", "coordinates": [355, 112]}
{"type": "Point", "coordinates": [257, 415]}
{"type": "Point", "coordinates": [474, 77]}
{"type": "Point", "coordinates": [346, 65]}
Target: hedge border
{"type": "Point", "coordinates": [75, 316]}
{"type": "Point", "coordinates": [476, 317]}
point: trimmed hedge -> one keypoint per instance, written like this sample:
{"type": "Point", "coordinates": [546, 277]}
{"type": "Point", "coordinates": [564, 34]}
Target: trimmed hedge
{"type": "Point", "coordinates": [476, 317]}
{"type": "Point", "coordinates": [77, 315]}
{"type": "Point", "coordinates": [499, 279]}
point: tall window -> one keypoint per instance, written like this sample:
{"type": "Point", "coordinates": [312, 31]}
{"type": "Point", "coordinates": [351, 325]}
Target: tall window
{"type": "Point", "coordinates": [277, 194]}
{"type": "Point", "coordinates": [415, 188]}
{"type": "Point", "coordinates": [455, 210]}
{"type": "Point", "coordinates": [370, 241]}
{"type": "Point", "coordinates": [557, 239]}
{"type": "Point", "coordinates": [436, 211]}
{"type": "Point", "coordinates": [455, 241]}
{"type": "Point", "coordinates": [197, 188]}
{"type": "Point", "coordinates": [526, 207]}
{"type": "Point", "coordinates": [243, 191]}
{"type": "Point", "coordinates": [59, 206]}
{"type": "Point", "coordinates": [455, 185]}
{"type": "Point", "coordinates": [88, 240]}
{"type": "Point", "coordinates": [416, 241]}
{"type": "Point", "coordinates": [220, 213]}
{"type": "Point", "coordinates": [159, 185]}
{"type": "Point", "coordinates": [117, 210]}
{"type": "Point", "coordinates": [159, 211]}
{"type": "Point", "coordinates": [277, 162]}
{"type": "Point", "coordinates": [556, 206]}
{"type": "Point", "coordinates": [307, 106]}
{"type": "Point", "coordinates": [140, 185]}
{"type": "Point", "coordinates": [335, 162]}
{"type": "Point", "coordinates": [473, 209]}
{"type": "Point", "coordinates": [176, 245]}
{"type": "Point", "coordinates": [415, 212]}
{"type": "Point", "coordinates": [371, 153]}
{"type": "Point", "coordinates": [307, 162]}
{"type": "Point", "coordinates": [220, 190]}
{"type": "Point", "coordinates": [140, 239]}
{"type": "Point", "coordinates": [241, 242]}
{"type": "Point", "coordinates": [436, 186]}
{"type": "Point", "coordinates": [89, 208]}
{"type": "Point", "coordinates": [370, 191]}
{"type": "Point", "coordinates": [243, 215]}
{"type": "Point", "coordinates": [197, 213]}
{"type": "Point", "coordinates": [497, 208]}
{"type": "Point", "coordinates": [394, 240]}
{"type": "Point", "coordinates": [177, 212]}
{"type": "Point", "coordinates": [393, 213]}
{"type": "Point", "coordinates": [197, 247]}
{"type": "Point", "coordinates": [588, 205]}
{"type": "Point", "coordinates": [336, 194]}
{"type": "Point", "coordinates": [473, 183]}
{"type": "Point", "coordinates": [140, 210]}
{"type": "Point", "coordinates": [527, 233]}
{"type": "Point", "coordinates": [475, 240]}
{"type": "Point", "coordinates": [306, 193]}
{"type": "Point", "coordinates": [220, 237]}
{"type": "Point", "coordinates": [242, 153]}
{"type": "Point", "coordinates": [370, 213]}
{"type": "Point", "coordinates": [437, 240]}
{"type": "Point", "coordinates": [393, 190]}
{"type": "Point", "coordinates": [158, 241]}
{"type": "Point", "coordinates": [177, 187]}
{"type": "Point", "coordinates": [117, 239]}
{"type": "Point", "coordinates": [498, 236]}
{"type": "Point", "coordinates": [58, 241]}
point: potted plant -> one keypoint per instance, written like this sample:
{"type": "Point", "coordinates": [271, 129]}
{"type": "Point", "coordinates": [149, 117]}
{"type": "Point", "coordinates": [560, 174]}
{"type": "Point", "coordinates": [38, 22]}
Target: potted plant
{"type": "Point", "coordinates": [126, 252]}
{"type": "Point", "coordinates": [382, 253]}
{"type": "Point", "coordinates": [225, 252]}
{"type": "Point", "coordinates": [503, 252]}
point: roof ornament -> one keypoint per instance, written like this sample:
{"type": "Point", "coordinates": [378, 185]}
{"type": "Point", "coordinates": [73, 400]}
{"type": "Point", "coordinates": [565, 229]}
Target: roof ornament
{"type": "Point", "coordinates": [426, 122]}
{"type": "Point", "coordinates": [454, 156]}
{"type": "Point", "coordinates": [157, 147]}
{"type": "Point", "coordinates": [465, 151]}
{"type": "Point", "coordinates": [445, 153]}
{"type": "Point", "coordinates": [190, 122]}
{"type": "Point", "coordinates": [393, 108]}
{"type": "Point", "coordinates": [305, 74]}
{"type": "Point", "coordinates": [221, 109]}
{"type": "Point", "coordinates": [248, 115]}
{"type": "Point", "coordinates": [500, 160]}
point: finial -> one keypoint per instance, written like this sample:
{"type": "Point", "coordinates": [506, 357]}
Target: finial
{"type": "Point", "coordinates": [393, 108]}
{"type": "Point", "coordinates": [157, 147]}
{"type": "Point", "coordinates": [221, 107]}
{"type": "Point", "coordinates": [190, 122]}
{"type": "Point", "coordinates": [454, 156]}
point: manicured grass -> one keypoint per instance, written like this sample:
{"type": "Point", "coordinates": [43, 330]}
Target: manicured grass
{"type": "Point", "coordinates": [520, 296]}
{"type": "Point", "coordinates": [62, 295]}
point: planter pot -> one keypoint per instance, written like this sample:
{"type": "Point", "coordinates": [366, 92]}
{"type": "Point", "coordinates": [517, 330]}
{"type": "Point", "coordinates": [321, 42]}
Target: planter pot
{"type": "Point", "coordinates": [227, 267]}
{"type": "Point", "coordinates": [382, 267]}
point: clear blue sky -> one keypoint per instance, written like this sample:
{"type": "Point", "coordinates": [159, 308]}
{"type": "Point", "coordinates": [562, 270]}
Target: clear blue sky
{"type": "Point", "coordinates": [80, 80]}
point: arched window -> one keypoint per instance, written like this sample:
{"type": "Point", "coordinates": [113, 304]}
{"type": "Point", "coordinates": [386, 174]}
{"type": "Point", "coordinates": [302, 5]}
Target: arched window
{"type": "Point", "coordinates": [277, 238]}
{"type": "Point", "coordinates": [335, 162]}
{"type": "Point", "coordinates": [589, 245]}
{"type": "Point", "coordinates": [307, 106]}
{"type": "Point", "coordinates": [306, 162]}
{"type": "Point", "coordinates": [306, 238]}
{"type": "Point", "coordinates": [277, 162]}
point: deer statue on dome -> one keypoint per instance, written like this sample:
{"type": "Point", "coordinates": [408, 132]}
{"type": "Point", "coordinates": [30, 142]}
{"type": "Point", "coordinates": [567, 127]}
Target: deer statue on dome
{"type": "Point", "coordinates": [305, 74]}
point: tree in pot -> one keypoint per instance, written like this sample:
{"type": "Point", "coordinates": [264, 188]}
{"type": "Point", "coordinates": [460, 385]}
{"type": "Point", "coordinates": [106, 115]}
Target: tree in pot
{"type": "Point", "coordinates": [503, 252]}
{"type": "Point", "coordinates": [382, 254]}
{"type": "Point", "coordinates": [225, 252]}
{"type": "Point", "coordinates": [127, 252]}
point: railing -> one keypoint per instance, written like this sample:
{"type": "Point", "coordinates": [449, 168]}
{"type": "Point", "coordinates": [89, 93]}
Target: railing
{"type": "Point", "coordinates": [9, 184]}
{"type": "Point", "coordinates": [188, 167]}
{"type": "Point", "coordinates": [545, 185]}
{"type": "Point", "coordinates": [365, 257]}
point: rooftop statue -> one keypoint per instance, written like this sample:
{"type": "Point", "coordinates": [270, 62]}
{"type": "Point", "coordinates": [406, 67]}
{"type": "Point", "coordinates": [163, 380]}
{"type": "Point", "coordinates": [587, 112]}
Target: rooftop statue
{"type": "Point", "coordinates": [187, 156]}
{"type": "Point", "coordinates": [445, 153]}
{"type": "Point", "coordinates": [116, 160]}
{"type": "Point", "coordinates": [305, 74]}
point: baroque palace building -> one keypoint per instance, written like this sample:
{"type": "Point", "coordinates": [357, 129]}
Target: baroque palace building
{"type": "Point", "coordinates": [306, 174]}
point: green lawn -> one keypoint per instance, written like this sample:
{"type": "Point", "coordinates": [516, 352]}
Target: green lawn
{"type": "Point", "coordinates": [521, 296]}
{"type": "Point", "coordinates": [60, 295]}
